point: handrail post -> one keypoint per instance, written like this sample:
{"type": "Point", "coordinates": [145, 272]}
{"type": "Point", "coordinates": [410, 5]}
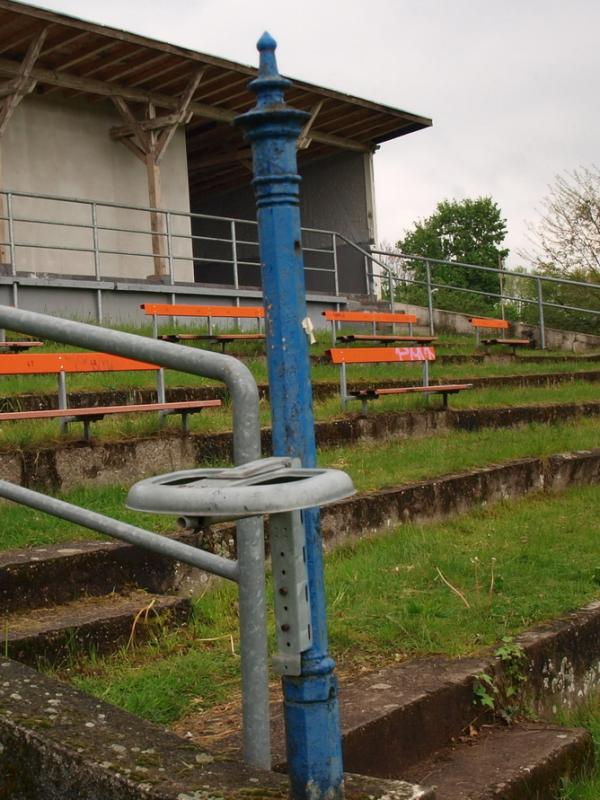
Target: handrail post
{"type": "Point", "coordinates": [430, 299]}
{"type": "Point", "coordinates": [540, 300]}
{"type": "Point", "coordinates": [234, 253]}
{"type": "Point", "coordinates": [391, 290]}
{"type": "Point", "coordinates": [368, 279]}
{"type": "Point", "coordinates": [97, 272]}
{"type": "Point", "coordinates": [336, 278]}
{"type": "Point", "coordinates": [313, 737]}
{"type": "Point", "coordinates": [170, 249]}
{"type": "Point", "coordinates": [13, 249]}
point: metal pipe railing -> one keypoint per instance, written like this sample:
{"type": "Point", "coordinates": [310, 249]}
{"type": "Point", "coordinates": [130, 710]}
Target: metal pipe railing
{"type": "Point", "coordinates": [246, 447]}
{"type": "Point", "coordinates": [388, 275]}
{"type": "Point", "coordinates": [167, 233]}
{"type": "Point", "coordinates": [323, 250]}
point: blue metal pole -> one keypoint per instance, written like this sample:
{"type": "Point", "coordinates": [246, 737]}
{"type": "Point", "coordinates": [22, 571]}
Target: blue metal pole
{"type": "Point", "coordinates": [311, 708]}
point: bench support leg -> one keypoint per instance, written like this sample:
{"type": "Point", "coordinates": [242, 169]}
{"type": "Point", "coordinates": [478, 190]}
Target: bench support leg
{"type": "Point", "coordinates": [364, 405]}
{"type": "Point", "coordinates": [87, 433]}
{"type": "Point", "coordinates": [444, 400]}
{"type": "Point", "coordinates": [185, 423]}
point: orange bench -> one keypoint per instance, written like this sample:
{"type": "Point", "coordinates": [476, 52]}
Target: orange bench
{"type": "Point", "coordinates": [209, 313]}
{"type": "Point", "coordinates": [389, 355]}
{"type": "Point", "coordinates": [62, 363]}
{"type": "Point", "coordinates": [483, 323]}
{"type": "Point", "coordinates": [15, 346]}
{"type": "Point", "coordinates": [374, 318]}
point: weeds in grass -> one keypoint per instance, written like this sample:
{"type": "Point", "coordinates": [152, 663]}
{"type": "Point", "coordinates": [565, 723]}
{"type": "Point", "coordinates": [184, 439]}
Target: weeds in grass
{"type": "Point", "coordinates": [500, 692]}
{"type": "Point", "coordinates": [371, 465]}
{"type": "Point", "coordinates": [387, 603]}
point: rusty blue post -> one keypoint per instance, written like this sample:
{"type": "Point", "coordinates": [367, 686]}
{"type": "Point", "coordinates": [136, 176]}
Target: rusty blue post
{"type": "Point", "coordinates": [314, 752]}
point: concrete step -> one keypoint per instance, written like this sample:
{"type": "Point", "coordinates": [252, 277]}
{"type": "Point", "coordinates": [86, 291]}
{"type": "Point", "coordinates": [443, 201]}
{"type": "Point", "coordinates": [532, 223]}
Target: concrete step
{"type": "Point", "coordinates": [60, 573]}
{"type": "Point", "coordinates": [92, 624]}
{"type": "Point", "coordinates": [523, 762]}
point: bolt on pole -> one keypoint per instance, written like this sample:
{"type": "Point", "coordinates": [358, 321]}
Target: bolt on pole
{"type": "Point", "coordinates": [311, 708]}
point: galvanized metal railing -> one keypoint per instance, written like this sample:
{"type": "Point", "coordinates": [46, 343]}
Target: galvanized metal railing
{"type": "Point", "coordinates": [388, 278]}
{"type": "Point", "coordinates": [111, 240]}
{"type": "Point", "coordinates": [249, 569]}
{"type": "Point", "coordinates": [215, 250]}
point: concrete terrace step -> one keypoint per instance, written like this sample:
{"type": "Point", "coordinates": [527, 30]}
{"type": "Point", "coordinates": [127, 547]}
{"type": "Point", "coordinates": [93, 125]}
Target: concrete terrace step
{"type": "Point", "coordinates": [397, 718]}
{"type": "Point", "coordinates": [101, 624]}
{"type": "Point", "coordinates": [59, 742]}
{"type": "Point", "coordinates": [54, 574]}
{"type": "Point", "coordinates": [60, 573]}
{"type": "Point", "coordinates": [524, 762]}
{"type": "Point", "coordinates": [322, 390]}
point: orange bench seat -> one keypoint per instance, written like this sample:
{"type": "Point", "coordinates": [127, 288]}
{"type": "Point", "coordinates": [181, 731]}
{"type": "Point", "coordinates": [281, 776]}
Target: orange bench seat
{"type": "Point", "coordinates": [209, 313]}
{"type": "Point", "coordinates": [389, 355]}
{"type": "Point", "coordinates": [61, 364]}
{"type": "Point", "coordinates": [369, 317]}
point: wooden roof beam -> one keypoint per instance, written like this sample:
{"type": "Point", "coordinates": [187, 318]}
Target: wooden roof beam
{"type": "Point", "coordinates": [66, 80]}
{"type": "Point", "coordinates": [23, 83]}
{"type": "Point", "coordinates": [182, 112]}
{"type": "Point", "coordinates": [304, 139]}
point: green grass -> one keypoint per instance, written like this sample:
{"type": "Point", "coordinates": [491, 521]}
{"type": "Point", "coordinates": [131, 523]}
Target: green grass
{"type": "Point", "coordinates": [371, 465]}
{"type": "Point", "coordinates": [387, 602]}
{"type": "Point", "coordinates": [26, 527]}
{"type": "Point", "coordinates": [379, 465]}
{"type": "Point", "coordinates": [587, 716]}
{"type": "Point", "coordinates": [24, 433]}
{"type": "Point", "coordinates": [253, 355]}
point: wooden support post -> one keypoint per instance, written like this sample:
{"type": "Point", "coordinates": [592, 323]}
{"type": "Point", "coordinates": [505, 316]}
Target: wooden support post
{"type": "Point", "coordinates": [148, 139]}
{"type": "Point", "coordinates": [12, 92]}
{"type": "Point", "coordinates": [154, 200]}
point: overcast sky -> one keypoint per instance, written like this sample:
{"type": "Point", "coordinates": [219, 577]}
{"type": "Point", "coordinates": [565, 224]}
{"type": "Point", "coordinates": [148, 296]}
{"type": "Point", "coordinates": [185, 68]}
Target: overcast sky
{"type": "Point", "coordinates": [512, 86]}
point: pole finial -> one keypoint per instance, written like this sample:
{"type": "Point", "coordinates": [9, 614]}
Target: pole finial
{"type": "Point", "coordinates": [269, 85]}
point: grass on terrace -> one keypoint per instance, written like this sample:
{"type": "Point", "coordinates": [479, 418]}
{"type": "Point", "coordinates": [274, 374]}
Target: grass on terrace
{"type": "Point", "coordinates": [28, 433]}
{"type": "Point", "coordinates": [450, 344]}
{"type": "Point", "coordinates": [586, 716]}
{"type": "Point", "coordinates": [372, 466]}
{"type": "Point", "coordinates": [516, 563]}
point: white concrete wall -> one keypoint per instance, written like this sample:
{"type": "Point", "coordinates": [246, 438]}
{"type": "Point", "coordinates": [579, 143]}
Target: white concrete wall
{"type": "Point", "coordinates": [63, 147]}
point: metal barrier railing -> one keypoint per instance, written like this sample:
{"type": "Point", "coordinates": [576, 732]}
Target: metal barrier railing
{"type": "Point", "coordinates": [391, 280]}
{"type": "Point", "coordinates": [217, 250]}
{"type": "Point", "coordinates": [249, 569]}
{"type": "Point", "coordinates": [108, 240]}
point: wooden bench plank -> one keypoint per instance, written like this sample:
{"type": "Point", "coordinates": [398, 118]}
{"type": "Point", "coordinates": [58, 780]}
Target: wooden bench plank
{"type": "Point", "coordinates": [368, 316]}
{"type": "Point", "coordinates": [14, 346]}
{"type": "Point", "coordinates": [373, 337]}
{"type": "Point", "coordinates": [486, 322]}
{"type": "Point", "coordinates": [226, 312]}
{"type": "Point", "coordinates": [53, 363]}
{"type": "Point", "coordinates": [212, 337]}
{"type": "Point", "coordinates": [443, 389]}
{"type": "Point", "coordinates": [100, 411]}
{"type": "Point", "coordinates": [95, 413]}
{"type": "Point", "coordinates": [378, 355]}
{"type": "Point", "coordinates": [450, 388]}
{"type": "Point", "coordinates": [511, 342]}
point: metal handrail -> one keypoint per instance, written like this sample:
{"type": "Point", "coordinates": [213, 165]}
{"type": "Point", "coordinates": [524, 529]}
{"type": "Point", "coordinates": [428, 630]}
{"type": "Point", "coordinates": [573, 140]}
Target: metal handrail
{"type": "Point", "coordinates": [392, 278]}
{"type": "Point", "coordinates": [325, 254]}
{"type": "Point", "coordinates": [168, 236]}
{"type": "Point", "coordinates": [249, 570]}
{"type": "Point", "coordinates": [480, 267]}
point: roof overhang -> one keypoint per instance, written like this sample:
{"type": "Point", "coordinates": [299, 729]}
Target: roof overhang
{"type": "Point", "coordinates": [80, 58]}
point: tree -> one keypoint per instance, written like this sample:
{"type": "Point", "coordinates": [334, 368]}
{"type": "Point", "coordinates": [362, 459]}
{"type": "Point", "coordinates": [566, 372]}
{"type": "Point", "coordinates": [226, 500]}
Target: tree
{"type": "Point", "coordinates": [566, 238]}
{"type": "Point", "coordinates": [469, 231]}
